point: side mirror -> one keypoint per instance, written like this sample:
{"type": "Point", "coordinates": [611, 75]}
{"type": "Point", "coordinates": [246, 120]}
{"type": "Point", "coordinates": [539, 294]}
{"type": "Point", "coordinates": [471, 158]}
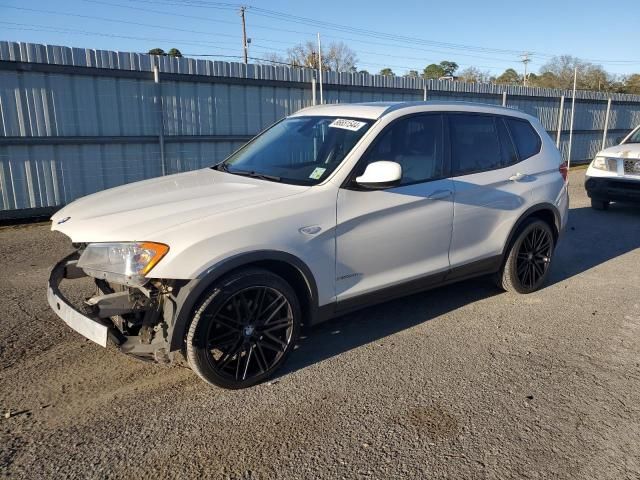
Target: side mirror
{"type": "Point", "coordinates": [380, 175]}
{"type": "Point", "coordinates": [619, 140]}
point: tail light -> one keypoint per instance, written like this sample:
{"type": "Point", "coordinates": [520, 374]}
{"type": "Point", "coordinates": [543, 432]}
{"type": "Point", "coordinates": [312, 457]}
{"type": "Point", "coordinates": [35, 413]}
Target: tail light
{"type": "Point", "coordinates": [564, 170]}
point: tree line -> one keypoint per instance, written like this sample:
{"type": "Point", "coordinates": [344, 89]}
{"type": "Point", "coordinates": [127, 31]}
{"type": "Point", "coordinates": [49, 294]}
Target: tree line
{"type": "Point", "coordinates": [556, 73]}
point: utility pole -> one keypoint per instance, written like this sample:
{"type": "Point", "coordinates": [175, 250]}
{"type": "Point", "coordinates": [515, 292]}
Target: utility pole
{"type": "Point", "coordinates": [320, 68]}
{"type": "Point", "coordinates": [245, 48]}
{"type": "Point", "coordinates": [525, 60]}
{"type": "Point", "coordinates": [573, 111]}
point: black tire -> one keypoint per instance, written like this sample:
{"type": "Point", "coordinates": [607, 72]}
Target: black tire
{"type": "Point", "coordinates": [528, 259]}
{"type": "Point", "coordinates": [599, 204]}
{"type": "Point", "coordinates": [243, 329]}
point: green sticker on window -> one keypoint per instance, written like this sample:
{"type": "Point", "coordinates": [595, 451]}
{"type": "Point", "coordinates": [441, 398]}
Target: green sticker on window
{"type": "Point", "coordinates": [317, 173]}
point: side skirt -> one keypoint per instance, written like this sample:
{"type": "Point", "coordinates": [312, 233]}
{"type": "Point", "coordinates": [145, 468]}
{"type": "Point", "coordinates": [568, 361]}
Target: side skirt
{"type": "Point", "coordinates": [476, 269]}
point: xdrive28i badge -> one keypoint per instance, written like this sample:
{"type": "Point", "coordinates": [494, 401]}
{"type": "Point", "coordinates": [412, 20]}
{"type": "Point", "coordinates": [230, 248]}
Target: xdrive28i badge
{"type": "Point", "coordinates": [63, 220]}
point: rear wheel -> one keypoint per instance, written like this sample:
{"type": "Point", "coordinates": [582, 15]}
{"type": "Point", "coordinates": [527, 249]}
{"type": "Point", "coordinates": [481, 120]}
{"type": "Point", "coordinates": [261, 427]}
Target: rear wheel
{"type": "Point", "coordinates": [599, 204]}
{"type": "Point", "coordinates": [527, 265]}
{"type": "Point", "coordinates": [244, 329]}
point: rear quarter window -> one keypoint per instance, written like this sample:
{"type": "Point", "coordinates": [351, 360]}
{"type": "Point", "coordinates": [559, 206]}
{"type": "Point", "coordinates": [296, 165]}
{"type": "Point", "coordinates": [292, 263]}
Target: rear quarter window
{"type": "Point", "coordinates": [527, 140]}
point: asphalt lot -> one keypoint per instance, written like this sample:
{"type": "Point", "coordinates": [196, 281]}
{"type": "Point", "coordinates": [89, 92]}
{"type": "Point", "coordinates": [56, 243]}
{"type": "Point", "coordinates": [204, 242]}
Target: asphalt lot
{"type": "Point", "coordinates": [460, 382]}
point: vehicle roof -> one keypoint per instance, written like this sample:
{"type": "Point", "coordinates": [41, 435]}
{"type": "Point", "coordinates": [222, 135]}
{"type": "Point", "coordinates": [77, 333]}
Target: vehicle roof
{"type": "Point", "coordinates": [375, 110]}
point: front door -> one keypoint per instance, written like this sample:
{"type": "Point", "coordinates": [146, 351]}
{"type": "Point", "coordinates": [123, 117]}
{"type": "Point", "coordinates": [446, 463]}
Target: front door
{"type": "Point", "coordinates": [402, 234]}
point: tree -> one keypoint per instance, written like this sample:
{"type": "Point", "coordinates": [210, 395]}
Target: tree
{"type": "Point", "coordinates": [387, 72]}
{"type": "Point", "coordinates": [559, 71]}
{"type": "Point", "coordinates": [509, 77]}
{"type": "Point", "coordinates": [337, 57]}
{"type": "Point", "coordinates": [544, 80]}
{"type": "Point", "coordinates": [273, 59]}
{"type": "Point", "coordinates": [433, 72]}
{"type": "Point", "coordinates": [174, 52]}
{"type": "Point", "coordinates": [631, 84]}
{"type": "Point", "coordinates": [474, 75]}
{"type": "Point", "coordinates": [448, 67]}
{"type": "Point", "coordinates": [411, 74]}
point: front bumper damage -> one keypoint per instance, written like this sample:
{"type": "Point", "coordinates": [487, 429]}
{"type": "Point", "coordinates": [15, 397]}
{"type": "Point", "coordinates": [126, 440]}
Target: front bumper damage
{"type": "Point", "coordinates": [133, 319]}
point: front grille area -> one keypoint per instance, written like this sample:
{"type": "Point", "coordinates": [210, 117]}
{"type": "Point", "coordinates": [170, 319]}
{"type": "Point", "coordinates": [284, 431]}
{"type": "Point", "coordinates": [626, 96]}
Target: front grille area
{"type": "Point", "coordinates": [632, 167]}
{"type": "Point", "coordinates": [627, 189]}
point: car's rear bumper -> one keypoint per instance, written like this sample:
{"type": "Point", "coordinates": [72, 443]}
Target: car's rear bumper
{"type": "Point", "coordinates": [613, 188]}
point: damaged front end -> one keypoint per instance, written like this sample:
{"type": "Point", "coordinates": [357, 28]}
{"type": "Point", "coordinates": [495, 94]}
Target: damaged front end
{"type": "Point", "coordinates": [135, 318]}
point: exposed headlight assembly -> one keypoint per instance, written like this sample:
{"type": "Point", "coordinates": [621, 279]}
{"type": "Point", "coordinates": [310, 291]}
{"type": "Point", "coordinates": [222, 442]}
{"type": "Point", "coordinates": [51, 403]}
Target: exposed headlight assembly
{"type": "Point", "coordinates": [125, 263]}
{"type": "Point", "coordinates": [604, 163]}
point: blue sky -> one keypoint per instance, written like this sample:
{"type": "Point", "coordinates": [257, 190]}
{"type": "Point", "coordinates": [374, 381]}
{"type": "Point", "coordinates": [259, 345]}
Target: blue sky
{"type": "Point", "coordinates": [488, 35]}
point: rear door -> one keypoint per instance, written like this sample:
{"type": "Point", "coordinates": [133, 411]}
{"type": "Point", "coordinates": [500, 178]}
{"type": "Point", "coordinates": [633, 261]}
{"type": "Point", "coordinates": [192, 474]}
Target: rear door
{"type": "Point", "coordinates": [492, 184]}
{"type": "Point", "coordinates": [389, 237]}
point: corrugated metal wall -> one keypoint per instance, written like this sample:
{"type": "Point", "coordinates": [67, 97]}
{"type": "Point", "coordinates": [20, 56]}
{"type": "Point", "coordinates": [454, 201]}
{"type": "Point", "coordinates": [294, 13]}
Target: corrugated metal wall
{"type": "Point", "coordinates": [75, 121]}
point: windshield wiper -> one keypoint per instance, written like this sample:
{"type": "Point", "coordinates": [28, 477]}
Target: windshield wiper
{"type": "Point", "coordinates": [247, 173]}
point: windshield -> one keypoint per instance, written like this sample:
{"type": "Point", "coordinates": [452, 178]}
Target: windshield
{"type": "Point", "coordinates": [298, 150]}
{"type": "Point", "coordinates": [635, 137]}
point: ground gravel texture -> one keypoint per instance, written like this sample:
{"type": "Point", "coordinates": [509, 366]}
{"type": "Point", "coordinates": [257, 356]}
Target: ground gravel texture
{"type": "Point", "coordinates": [460, 382]}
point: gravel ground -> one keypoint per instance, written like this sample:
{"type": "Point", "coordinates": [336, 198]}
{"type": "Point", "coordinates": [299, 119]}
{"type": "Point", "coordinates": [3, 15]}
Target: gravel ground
{"type": "Point", "coordinates": [460, 382]}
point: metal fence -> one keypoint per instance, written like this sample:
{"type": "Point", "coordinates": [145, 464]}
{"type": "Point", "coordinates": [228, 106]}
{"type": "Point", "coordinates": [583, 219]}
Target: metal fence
{"type": "Point", "coordinates": [75, 121]}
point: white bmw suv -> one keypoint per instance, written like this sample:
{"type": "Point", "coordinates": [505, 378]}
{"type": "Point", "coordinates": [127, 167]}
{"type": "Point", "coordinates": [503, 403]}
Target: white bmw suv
{"type": "Point", "coordinates": [614, 173]}
{"type": "Point", "coordinates": [331, 209]}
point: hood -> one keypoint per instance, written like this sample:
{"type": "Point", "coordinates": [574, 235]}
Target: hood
{"type": "Point", "coordinates": [137, 211]}
{"type": "Point", "coordinates": [626, 150]}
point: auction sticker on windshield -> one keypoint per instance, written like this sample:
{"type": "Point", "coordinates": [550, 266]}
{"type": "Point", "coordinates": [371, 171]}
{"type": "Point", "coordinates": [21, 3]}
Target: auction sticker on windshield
{"type": "Point", "coordinates": [347, 124]}
{"type": "Point", "coordinates": [317, 173]}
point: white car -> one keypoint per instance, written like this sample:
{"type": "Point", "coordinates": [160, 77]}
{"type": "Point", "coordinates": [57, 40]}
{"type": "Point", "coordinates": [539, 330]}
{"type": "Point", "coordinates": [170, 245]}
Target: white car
{"type": "Point", "coordinates": [331, 209]}
{"type": "Point", "coordinates": [614, 173]}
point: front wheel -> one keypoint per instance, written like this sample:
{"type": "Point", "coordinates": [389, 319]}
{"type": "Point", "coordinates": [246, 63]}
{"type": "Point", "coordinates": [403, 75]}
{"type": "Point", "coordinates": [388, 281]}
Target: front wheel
{"type": "Point", "coordinates": [529, 257]}
{"type": "Point", "coordinates": [243, 329]}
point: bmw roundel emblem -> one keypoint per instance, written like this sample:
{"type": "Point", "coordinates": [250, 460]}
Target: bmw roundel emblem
{"type": "Point", "coordinates": [63, 220]}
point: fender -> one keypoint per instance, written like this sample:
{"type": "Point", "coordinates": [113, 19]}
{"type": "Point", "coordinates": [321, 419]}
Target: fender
{"type": "Point", "coordinates": [527, 213]}
{"type": "Point", "coordinates": [192, 291]}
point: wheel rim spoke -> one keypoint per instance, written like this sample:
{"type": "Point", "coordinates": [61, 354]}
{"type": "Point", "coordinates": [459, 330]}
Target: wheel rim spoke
{"type": "Point", "coordinates": [533, 257]}
{"type": "Point", "coordinates": [246, 365]}
{"type": "Point", "coordinates": [280, 324]}
{"type": "Point", "coordinates": [249, 333]}
{"type": "Point", "coordinates": [227, 322]}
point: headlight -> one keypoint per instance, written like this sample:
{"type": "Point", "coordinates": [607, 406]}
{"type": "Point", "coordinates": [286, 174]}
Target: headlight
{"type": "Point", "coordinates": [126, 263]}
{"type": "Point", "coordinates": [604, 163]}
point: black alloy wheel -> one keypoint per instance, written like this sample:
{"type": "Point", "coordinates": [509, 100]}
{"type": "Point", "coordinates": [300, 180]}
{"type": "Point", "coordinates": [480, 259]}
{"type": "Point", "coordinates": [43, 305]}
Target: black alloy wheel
{"type": "Point", "coordinates": [244, 329]}
{"type": "Point", "coordinates": [528, 258]}
{"type": "Point", "coordinates": [534, 256]}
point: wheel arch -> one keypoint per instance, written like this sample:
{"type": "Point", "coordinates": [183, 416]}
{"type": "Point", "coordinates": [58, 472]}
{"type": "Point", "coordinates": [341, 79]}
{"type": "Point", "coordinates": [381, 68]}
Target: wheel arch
{"type": "Point", "coordinates": [544, 211]}
{"type": "Point", "coordinates": [284, 264]}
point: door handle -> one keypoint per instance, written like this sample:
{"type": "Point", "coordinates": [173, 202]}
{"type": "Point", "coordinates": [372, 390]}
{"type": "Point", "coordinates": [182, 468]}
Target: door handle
{"type": "Point", "coordinates": [517, 177]}
{"type": "Point", "coordinates": [440, 194]}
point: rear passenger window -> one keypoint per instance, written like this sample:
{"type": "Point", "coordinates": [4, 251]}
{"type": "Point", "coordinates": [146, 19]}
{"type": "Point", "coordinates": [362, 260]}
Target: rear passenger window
{"type": "Point", "coordinates": [475, 144]}
{"type": "Point", "coordinates": [527, 140]}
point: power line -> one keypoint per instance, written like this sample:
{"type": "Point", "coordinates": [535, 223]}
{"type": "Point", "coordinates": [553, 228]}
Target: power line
{"type": "Point", "coordinates": [365, 32]}
{"type": "Point", "coordinates": [414, 48]}
{"type": "Point", "coordinates": [163, 27]}
{"type": "Point", "coordinates": [229, 7]}
{"type": "Point", "coordinates": [47, 28]}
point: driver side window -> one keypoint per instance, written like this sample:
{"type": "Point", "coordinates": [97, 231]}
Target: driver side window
{"type": "Point", "coordinates": [415, 143]}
